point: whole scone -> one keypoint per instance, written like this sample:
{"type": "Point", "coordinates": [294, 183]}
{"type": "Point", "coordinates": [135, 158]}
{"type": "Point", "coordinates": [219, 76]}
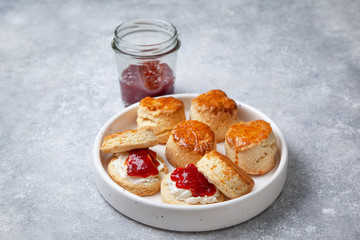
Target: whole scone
{"type": "Point", "coordinates": [141, 186]}
{"type": "Point", "coordinates": [252, 146]}
{"type": "Point", "coordinates": [216, 110]}
{"type": "Point", "coordinates": [189, 142]}
{"type": "Point", "coordinates": [160, 115]}
{"type": "Point", "coordinates": [225, 175]}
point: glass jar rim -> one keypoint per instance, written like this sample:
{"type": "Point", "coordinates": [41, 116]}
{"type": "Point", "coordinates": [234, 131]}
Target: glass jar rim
{"type": "Point", "coordinates": [145, 50]}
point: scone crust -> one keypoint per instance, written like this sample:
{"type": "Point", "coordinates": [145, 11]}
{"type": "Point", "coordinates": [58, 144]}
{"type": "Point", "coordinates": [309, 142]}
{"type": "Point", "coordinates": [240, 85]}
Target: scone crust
{"type": "Point", "coordinates": [252, 146]}
{"type": "Point", "coordinates": [128, 140]}
{"type": "Point", "coordinates": [214, 101]}
{"type": "Point", "coordinates": [194, 135]}
{"type": "Point", "coordinates": [160, 115]}
{"type": "Point", "coordinates": [243, 135]}
{"type": "Point", "coordinates": [188, 142]}
{"type": "Point", "coordinates": [225, 175]}
{"type": "Point", "coordinates": [168, 197]}
{"type": "Point", "coordinates": [216, 110]}
{"type": "Point", "coordinates": [166, 104]}
{"type": "Point", "coordinates": [140, 189]}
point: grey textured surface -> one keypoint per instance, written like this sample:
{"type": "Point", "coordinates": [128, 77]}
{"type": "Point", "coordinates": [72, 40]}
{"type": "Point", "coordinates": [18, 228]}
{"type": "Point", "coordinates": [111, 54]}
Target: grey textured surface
{"type": "Point", "coordinates": [297, 61]}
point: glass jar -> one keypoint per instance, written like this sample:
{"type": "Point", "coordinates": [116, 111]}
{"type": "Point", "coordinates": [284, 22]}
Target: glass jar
{"type": "Point", "coordinates": [146, 54]}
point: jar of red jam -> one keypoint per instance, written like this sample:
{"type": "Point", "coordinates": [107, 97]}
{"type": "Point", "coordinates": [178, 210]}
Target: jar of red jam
{"type": "Point", "coordinates": [146, 53]}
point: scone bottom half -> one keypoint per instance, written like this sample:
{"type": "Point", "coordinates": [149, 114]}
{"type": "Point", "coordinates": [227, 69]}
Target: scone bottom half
{"type": "Point", "coordinates": [118, 170]}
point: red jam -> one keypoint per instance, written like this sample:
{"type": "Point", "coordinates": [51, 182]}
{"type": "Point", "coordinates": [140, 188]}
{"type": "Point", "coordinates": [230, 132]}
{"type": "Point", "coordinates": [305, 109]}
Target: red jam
{"type": "Point", "coordinates": [149, 79]}
{"type": "Point", "coordinates": [191, 179]}
{"type": "Point", "coordinates": [142, 163]}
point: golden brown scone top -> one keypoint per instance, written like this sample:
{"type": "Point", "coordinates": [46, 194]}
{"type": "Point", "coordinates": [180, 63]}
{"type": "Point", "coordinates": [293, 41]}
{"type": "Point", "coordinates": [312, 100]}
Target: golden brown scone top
{"type": "Point", "coordinates": [231, 168]}
{"type": "Point", "coordinates": [243, 134]}
{"type": "Point", "coordinates": [162, 103]}
{"type": "Point", "coordinates": [215, 101]}
{"type": "Point", "coordinates": [194, 135]}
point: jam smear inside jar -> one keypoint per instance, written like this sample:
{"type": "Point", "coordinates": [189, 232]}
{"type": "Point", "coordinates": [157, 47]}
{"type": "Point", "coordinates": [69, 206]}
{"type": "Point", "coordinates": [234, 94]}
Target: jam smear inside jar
{"type": "Point", "coordinates": [191, 179]}
{"type": "Point", "coordinates": [151, 78]}
{"type": "Point", "coordinates": [142, 163]}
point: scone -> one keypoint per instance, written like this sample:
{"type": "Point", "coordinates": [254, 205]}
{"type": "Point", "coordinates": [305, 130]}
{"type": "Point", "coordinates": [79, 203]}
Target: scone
{"type": "Point", "coordinates": [139, 171]}
{"type": "Point", "coordinates": [128, 140]}
{"type": "Point", "coordinates": [225, 175]}
{"type": "Point", "coordinates": [252, 146]}
{"type": "Point", "coordinates": [189, 142]}
{"type": "Point", "coordinates": [216, 110]}
{"type": "Point", "coordinates": [187, 186]}
{"type": "Point", "coordinates": [160, 115]}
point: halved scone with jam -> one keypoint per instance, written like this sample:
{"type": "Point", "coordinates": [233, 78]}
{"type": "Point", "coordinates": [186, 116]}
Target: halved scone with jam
{"type": "Point", "coordinates": [140, 171]}
{"type": "Point", "coordinates": [134, 166]}
{"type": "Point", "coordinates": [188, 186]}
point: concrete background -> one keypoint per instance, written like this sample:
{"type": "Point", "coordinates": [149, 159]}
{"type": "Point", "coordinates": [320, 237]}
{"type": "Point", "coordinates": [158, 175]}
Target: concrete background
{"type": "Point", "coordinates": [297, 61]}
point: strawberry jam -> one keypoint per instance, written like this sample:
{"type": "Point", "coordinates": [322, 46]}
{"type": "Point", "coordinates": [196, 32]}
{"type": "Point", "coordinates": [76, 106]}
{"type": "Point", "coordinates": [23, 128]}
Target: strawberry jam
{"type": "Point", "coordinates": [191, 179]}
{"type": "Point", "coordinates": [151, 78]}
{"type": "Point", "coordinates": [142, 163]}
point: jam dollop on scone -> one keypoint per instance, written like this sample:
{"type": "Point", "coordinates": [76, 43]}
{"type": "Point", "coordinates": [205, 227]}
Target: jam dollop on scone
{"type": "Point", "coordinates": [188, 186]}
{"type": "Point", "coordinates": [216, 110]}
{"type": "Point", "coordinates": [189, 142]}
{"type": "Point", "coordinates": [160, 115]}
{"type": "Point", "coordinates": [139, 171]}
{"type": "Point", "coordinates": [252, 146]}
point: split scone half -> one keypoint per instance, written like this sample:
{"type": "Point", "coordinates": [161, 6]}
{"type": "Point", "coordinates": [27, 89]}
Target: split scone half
{"type": "Point", "coordinates": [139, 171]}
{"type": "Point", "coordinates": [252, 146]}
{"type": "Point", "coordinates": [189, 142]}
{"type": "Point", "coordinates": [128, 140]}
{"type": "Point", "coordinates": [134, 166]}
{"type": "Point", "coordinates": [188, 186]}
{"type": "Point", "coordinates": [160, 115]}
{"type": "Point", "coordinates": [216, 110]}
{"type": "Point", "coordinates": [225, 175]}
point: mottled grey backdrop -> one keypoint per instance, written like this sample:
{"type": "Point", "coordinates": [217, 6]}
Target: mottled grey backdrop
{"type": "Point", "coordinates": [297, 61]}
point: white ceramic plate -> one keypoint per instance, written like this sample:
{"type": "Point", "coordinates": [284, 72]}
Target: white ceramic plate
{"type": "Point", "coordinates": [151, 211]}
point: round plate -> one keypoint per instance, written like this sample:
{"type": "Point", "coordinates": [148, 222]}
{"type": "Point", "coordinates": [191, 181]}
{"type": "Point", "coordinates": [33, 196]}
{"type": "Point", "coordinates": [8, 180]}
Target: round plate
{"type": "Point", "coordinates": [151, 211]}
